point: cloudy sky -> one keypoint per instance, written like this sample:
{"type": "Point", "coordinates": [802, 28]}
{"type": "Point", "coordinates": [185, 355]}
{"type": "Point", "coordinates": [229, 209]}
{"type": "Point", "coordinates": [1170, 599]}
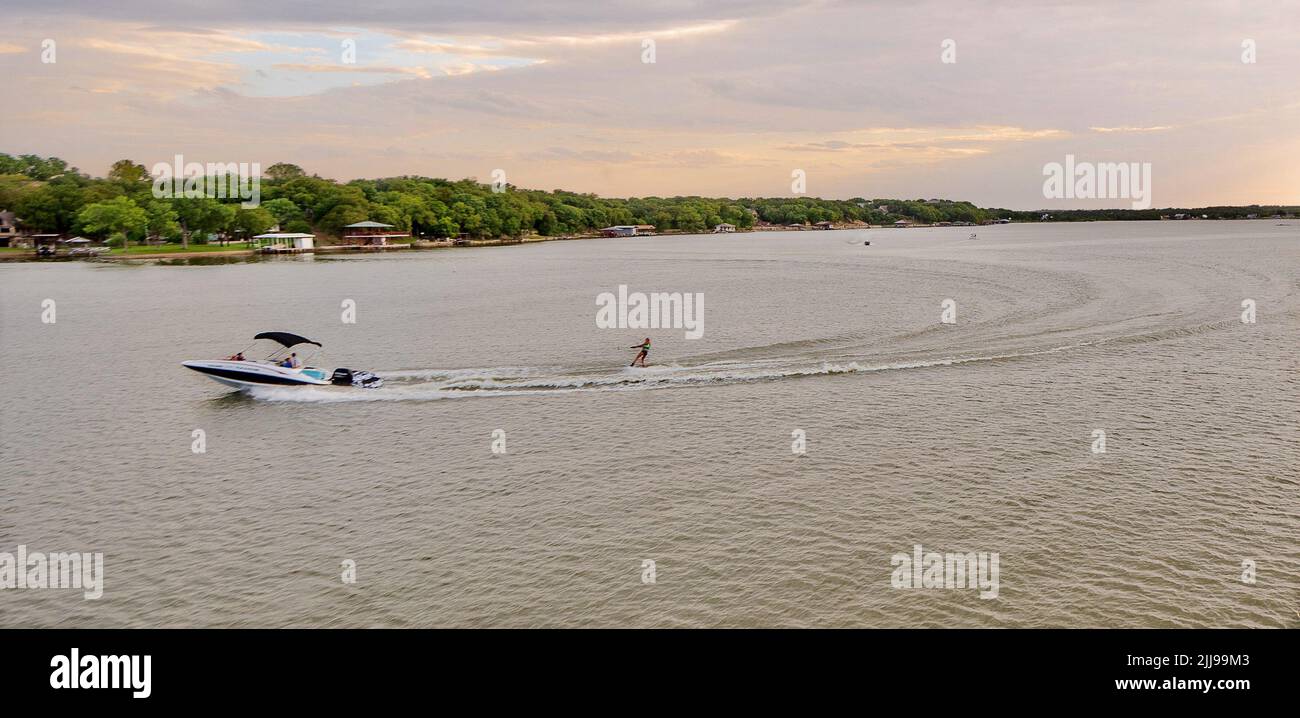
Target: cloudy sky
{"type": "Point", "coordinates": [740, 93]}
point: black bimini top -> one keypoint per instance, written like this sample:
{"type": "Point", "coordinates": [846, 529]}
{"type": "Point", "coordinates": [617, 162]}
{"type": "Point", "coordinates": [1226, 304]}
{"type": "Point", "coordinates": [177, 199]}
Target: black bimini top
{"type": "Point", "coordinates": [285, 338]}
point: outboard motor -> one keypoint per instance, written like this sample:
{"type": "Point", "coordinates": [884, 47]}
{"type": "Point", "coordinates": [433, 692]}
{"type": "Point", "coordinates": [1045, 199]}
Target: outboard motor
{"type": "Point", "coordinates": [356, 377]}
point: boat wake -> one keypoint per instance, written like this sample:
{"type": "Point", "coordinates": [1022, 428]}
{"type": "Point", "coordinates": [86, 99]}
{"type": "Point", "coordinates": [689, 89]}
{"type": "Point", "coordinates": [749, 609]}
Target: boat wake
{"type": "Point", "coordinates": [435, 384]}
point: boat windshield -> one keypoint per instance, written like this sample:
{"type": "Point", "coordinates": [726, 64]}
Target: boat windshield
{"type": "Point", "coordinates": [276, 353]}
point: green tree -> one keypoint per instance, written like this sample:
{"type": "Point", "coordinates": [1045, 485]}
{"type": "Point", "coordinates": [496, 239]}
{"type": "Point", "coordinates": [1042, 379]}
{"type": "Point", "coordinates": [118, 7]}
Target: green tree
{"type": "Point", "coordinates": [53, 206]}
{"type": "Point", "coordinates": [133, 179]}
{"type": "Point", "coordinates": [34, 167]}
{"type": "Point", "coordinates": [283, 210]}
{"type": "Point", "coordinates": [202, 215]}
{"type": "Point", "coordinates": [252, 221]}
{"type": "Point", "coordinates": [119, 215]}
{"type": "Point", "coordinates": [163, 222]}
{"type": "Point", "coordinates": [13, 187]}
{"type": "Point", "coordinates": [281, 171]}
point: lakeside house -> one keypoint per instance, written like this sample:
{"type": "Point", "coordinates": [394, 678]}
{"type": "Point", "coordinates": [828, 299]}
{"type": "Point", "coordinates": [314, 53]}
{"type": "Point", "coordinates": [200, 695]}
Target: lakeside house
{"type": "Point", "coordinates": [628, 230]}
{"type": "Point", "coordinates": [285, 242]}
{"type": "Point", "coordinates": [370, 233]}
{"type": "Point", "coordinates": [8, 229]}
{"type": "Point", "coordinates": [724, 228]}
{"type": "Point", "coordinates": [46, 245]}
{"type": "Point", "coordinates": [902, 223]}
{"type": "Point", "coordinates": [825, 225]}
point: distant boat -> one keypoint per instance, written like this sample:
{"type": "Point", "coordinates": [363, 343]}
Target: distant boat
{"type": "Point", "coordinates": [974, 236]}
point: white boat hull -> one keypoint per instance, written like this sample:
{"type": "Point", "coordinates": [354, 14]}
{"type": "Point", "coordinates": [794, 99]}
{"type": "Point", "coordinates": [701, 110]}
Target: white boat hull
{"type": "Point", "coordinates": [249, 374]}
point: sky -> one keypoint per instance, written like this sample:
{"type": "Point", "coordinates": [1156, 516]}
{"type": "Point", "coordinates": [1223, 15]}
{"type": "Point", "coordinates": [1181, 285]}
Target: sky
{"type": "Point", "coordinates": [959, 99]}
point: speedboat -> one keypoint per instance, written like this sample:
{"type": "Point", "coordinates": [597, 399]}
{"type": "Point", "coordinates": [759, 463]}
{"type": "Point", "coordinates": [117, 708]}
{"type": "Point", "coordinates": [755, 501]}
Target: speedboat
{"type": "Point", "coordinates": [280, 368]}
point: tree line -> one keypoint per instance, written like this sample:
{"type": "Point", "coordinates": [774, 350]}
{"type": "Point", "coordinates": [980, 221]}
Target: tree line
{"type": "Point", "coordinates": [50, 196]}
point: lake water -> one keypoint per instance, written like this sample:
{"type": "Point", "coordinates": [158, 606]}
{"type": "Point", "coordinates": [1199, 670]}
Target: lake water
{"type": "Point", "coordinates": [977, 436]}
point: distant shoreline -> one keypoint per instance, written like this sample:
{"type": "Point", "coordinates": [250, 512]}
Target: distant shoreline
{"type": "Point", "coordinates": [12, 255]}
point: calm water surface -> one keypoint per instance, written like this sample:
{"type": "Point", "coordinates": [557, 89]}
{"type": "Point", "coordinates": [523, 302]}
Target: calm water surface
{"type": "Point", "coordinates": [969, 437]}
